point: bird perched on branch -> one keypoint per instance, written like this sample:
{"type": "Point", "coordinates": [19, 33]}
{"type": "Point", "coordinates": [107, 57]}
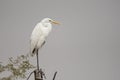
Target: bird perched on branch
{"type": "Point", "coordinates": [39, 34]}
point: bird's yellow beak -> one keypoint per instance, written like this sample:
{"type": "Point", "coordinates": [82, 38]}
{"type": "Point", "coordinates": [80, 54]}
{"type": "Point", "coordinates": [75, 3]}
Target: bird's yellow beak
{"type": "Point", "coordinates": [55, 22]}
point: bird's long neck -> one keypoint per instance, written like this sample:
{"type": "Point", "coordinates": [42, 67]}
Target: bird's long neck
{"type": "Point", "coordinates": [46, 28]}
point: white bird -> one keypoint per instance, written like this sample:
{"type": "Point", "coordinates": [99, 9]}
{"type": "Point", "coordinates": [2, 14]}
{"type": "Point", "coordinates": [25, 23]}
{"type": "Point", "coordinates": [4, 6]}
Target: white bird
{"type": "Point", "coordinates": [39, 34]}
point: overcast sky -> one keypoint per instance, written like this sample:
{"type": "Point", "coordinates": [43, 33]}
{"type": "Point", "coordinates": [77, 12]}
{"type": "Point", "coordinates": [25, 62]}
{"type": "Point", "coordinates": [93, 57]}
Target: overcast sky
{"type": "Point", "coordinates": [86, 46]}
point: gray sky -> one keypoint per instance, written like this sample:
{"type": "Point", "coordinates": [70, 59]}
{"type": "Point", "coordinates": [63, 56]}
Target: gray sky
{"type": "Point", "coordinates": [86, 46]}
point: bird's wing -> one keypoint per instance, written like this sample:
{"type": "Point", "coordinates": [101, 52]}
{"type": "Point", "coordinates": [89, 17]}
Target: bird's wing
{"type": "Point", "coordinates": [36, 34]}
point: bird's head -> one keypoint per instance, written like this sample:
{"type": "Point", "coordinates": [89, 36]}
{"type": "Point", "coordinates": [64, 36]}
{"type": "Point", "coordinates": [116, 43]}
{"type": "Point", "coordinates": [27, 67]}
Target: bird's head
{"type": "Point", "coordinates": [48, 20]}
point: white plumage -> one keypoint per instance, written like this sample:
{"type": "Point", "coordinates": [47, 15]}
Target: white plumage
{"type": "Point", "coordinates": [39, 34]}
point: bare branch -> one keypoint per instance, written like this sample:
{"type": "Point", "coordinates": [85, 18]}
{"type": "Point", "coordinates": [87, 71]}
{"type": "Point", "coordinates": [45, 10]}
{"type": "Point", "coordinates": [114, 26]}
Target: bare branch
{"type": "Point", "coordinates": [54, 75]}
{"type": "Point", "coordinates": [30, 75]}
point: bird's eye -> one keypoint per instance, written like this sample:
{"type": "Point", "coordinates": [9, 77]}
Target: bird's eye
{"type": "Point", "coordinates": [49, 20]}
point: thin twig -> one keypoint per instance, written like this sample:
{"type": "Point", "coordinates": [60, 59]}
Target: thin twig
{"type": "Point", "coordinates": [30, 75]}
{"type": "Point", "coordinates": [54, 75]}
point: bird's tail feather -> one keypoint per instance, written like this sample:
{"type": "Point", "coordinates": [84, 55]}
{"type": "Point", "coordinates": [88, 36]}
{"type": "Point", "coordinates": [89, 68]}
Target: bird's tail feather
{"type": "Point", "coordinates": [33, 52]}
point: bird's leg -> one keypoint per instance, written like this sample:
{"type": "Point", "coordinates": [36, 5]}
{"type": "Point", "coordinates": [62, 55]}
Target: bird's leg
{"type": "Point", "coordinates": [37, 73]}
{"type": "Point", "coordinates": [37, 59]}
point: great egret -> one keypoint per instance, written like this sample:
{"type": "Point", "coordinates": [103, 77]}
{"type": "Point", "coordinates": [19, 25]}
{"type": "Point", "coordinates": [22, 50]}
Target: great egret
{"type": "Point", "coordinates": [39, 34]}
